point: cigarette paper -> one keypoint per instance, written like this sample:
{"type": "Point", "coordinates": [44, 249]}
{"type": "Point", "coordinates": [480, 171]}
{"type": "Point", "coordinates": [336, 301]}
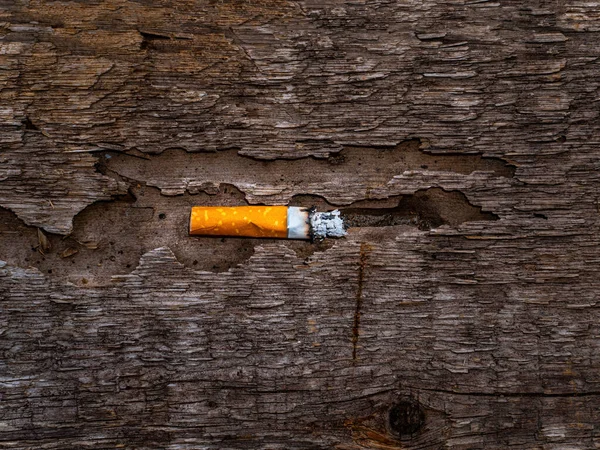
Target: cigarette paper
{"type": "Point", "coordinates": [285, 222]}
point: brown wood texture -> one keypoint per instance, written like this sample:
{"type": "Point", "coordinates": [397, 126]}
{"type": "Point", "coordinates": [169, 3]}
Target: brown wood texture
{"type": "Point", "coordinates": [461, 139]}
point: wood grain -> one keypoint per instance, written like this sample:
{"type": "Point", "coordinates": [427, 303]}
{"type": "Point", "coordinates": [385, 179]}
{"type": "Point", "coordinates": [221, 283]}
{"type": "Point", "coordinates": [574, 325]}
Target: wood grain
{"type": "Point", "coordinates": [113, 112]}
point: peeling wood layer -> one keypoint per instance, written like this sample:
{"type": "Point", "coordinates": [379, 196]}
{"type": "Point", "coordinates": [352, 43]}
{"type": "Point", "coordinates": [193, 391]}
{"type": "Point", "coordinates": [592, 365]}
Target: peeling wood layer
{"type": "Point", "coordinates": [109, 237]}
{"type": "Point", "coordinates": [341, 179]}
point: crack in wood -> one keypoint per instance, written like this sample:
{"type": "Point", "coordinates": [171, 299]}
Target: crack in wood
{"type": "Point", "coordinates": [29, 125]}
{"type": "Point", "coordinates": [509, 394]}
{"type": "Point", "coordinates": [426, 209]}
{"type": "Point", "coordinates": [362, 264]}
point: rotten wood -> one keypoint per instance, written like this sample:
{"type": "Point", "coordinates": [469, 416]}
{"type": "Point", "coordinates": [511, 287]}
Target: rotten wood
{"type": "Point", "coordinates": [460, 312]}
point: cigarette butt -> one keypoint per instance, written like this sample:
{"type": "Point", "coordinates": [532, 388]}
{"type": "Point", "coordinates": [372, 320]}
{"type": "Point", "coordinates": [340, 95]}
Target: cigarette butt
{"type": "Point", "coordinates": [265, 222]}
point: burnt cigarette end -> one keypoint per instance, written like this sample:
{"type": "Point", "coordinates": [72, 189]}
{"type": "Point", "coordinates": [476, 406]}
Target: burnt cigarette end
{"type": "Point", "coordinates": [326, 224]}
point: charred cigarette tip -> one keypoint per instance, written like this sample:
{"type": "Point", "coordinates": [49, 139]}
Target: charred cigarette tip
{"type": "Point", "coordinates": [266, 221]}
{"type": "Point", "coordinates": [327, 224]}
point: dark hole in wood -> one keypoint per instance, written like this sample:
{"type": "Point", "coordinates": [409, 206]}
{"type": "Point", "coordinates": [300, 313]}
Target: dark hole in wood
{"type": "Point", "coordinates": [427, 209]}
{"type": "Point", "coordinates": [154, 36]}
{"type": "Point", "coordinates": [149, 38]}
{"type": "Point", "coordinates": [29, 125]}
{"type": "Point", "coordinates": [162, 216]}
{"type": "Point", "coordinates": [406, 418]}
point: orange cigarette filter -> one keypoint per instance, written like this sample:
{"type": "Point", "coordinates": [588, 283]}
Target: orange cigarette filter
{"type": "Point", "coordinates": [249, 221]}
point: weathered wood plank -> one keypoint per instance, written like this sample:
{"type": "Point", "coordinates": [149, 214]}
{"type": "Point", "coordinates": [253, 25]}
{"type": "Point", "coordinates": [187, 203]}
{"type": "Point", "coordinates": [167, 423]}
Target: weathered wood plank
{"type": "Point", "coordinates": [473, 125]}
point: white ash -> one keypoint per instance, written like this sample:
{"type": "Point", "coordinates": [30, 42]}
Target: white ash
{"type": "Point", "coordinates": [327, 224]}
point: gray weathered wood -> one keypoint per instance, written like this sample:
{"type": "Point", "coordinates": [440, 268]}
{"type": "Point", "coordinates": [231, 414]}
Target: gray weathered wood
{"type": "Point", "coordinates": [476, 122]}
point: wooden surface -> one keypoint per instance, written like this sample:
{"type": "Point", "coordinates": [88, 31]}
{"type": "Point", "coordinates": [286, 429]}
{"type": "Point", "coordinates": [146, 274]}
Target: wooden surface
{"type": "Point", "coordinates": [461, 310]}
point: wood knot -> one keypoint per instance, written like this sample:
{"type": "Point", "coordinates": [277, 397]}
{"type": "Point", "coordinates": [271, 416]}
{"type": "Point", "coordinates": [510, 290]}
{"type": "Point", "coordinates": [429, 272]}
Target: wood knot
{"type": "Point", "coordinates": [406, 418]}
